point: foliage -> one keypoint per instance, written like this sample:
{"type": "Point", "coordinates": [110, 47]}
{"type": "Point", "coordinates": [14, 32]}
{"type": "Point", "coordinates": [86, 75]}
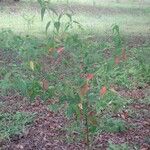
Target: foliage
{"type": "Point", "coordinates": [57, 19]}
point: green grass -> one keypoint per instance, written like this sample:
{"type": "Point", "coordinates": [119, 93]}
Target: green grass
{"type": "Point", "coordinates": [123, 146]}
{"type": "Point", "coordinates": [104, 3]}
{"type": "Point", "coordinates": [134, 20]}
{"type": "Point", "coordinates": [12, 124]}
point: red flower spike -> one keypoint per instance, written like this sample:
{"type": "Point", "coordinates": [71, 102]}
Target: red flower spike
{"type": "Point", "coordinates": [89, 76]}
{"type": "Point", "coordinates": [103, 91]}
{"type": "Point", "coordinates": [60, 49]}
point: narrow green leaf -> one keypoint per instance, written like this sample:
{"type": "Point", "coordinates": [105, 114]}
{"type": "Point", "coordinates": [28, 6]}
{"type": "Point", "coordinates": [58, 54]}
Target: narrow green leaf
{"type": "Point", "coordinates": [42, 12]}
{"type": "Point", "coordinates": [47, 26]}
{"type": "Point", "coordinates": [67, 26]}
{"type": "Point", "coordinates": [76, 22]}
{"type": "Point", "coordinates": [69, 16]}
{"type": "Point", "coordinates": [60, 16]}
{"type": "Point", "coordinates": [57, 25]}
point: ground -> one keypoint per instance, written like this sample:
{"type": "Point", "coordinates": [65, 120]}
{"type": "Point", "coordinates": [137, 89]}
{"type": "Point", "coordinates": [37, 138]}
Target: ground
{"type": "Point", "coordinates": [47, 128]}
{"type": "Point", "coordinates": [47, 131]}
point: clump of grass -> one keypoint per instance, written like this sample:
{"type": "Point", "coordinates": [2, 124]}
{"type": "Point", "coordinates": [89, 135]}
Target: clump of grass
{"type": "Point", "coordinates": [123, 146]}
{"type": "Point", "coordinates": [114, 125]}
{"type": "Point", "coordinates": [12, 124]}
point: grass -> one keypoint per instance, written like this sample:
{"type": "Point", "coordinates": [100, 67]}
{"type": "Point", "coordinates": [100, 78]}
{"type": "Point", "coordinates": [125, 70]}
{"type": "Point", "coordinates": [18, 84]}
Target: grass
{"type": "Point", "coordinates": [99, 22]}
{"type": "Point", "coordinates": [118, 146]}
{"type": "Point", "coordinates": [108, 3]}
{"type": "Point", "coordinates": [12, 124]}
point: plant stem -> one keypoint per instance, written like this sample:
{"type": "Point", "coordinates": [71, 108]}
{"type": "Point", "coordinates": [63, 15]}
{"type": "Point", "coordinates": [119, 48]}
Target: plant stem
{"type": "Point", "coordinates": [87, 125]}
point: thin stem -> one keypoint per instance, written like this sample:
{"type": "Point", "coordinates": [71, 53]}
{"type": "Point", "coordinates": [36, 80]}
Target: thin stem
{"type": "Point", "coordinates": [87, 125]}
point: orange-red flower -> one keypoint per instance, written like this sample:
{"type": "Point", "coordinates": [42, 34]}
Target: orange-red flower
{"type": "Point", "coordinates": [103, 91]}
{"type": "Point", "coordinates": [89, 76]}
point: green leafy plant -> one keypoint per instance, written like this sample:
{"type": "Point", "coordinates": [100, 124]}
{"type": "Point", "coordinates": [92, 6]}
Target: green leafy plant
{"type": "Point", "coordinates": [87, 91]}
{"type": "Point", "coordinates": [57, 19]}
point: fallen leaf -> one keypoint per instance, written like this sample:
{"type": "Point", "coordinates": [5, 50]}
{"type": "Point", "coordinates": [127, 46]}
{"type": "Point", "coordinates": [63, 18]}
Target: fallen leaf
{"type": "Point", "coordinates": [80, 106]}
{"type": "Point", "coordinates": [51, 50]}
{"type": "Point", "coordinates": [144, 148]}
{"type": "Point", "coordinates": [19, 146]}
{"type": "Point", "coordinates": [117, 60]}
{"type": "Point", "coordinates": [92, 113]}
{"type": "Point", "coordinates": [45, 84]}
{"type": "Point", "coordinates": [32, 65]}
{"type": "Point", "coordinates": [89, 76]}
{"type": "Point", "coordinates": [103, 91]}
{"type": "Point", "coordinates": [60, 50]}
{"type": "Point", "coordinates": [82, 75]}
{"type": "Point", "coordinates": [92, 120]}
{"type": "Point", "coordinates": [124, 115]}
{"type": "Point", "coordinates": [84, 89]}
{"type": "Point", "coordinates": [113, 90]}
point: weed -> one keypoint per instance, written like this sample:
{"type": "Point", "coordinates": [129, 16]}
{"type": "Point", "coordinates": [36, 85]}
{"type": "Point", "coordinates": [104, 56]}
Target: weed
{"type": "Point", "coordinates": [57, 19]}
